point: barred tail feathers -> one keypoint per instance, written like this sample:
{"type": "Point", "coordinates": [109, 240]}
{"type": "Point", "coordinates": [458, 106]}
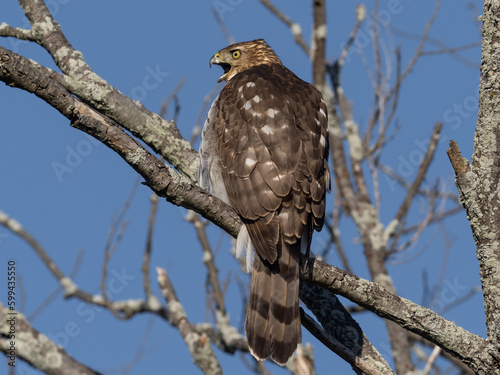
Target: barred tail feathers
{"type": "Point", "coordinates": [273, 318]}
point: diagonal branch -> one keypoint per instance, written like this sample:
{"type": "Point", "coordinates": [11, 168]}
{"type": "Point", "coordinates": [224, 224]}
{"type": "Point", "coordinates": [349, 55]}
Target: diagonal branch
{"type": "Point", "coordinates": [342, 333]}
{"type": "Point", "coordinates": [422, 172]}
{"type": "Point", "coordinates": [20, 72]}
{"type": "Point", "coordinates": [400, 217]}
{"type": "Point", "coordinates": [337, 347]}
{"type": "Point", "coordinates": [208, 260]}
{"type": "Point", "coordinates": [467, 347]}
{"type": "Point", "coordinates": [35, 348]}
{"type": "Point", "coordinates": [199, 345]}
{"type": "Point", "coordinates": [294, 27]}
{"type": "Point", "coordinates": [162, 136]}
{"type": "Point", "coordinates": [420, 47]}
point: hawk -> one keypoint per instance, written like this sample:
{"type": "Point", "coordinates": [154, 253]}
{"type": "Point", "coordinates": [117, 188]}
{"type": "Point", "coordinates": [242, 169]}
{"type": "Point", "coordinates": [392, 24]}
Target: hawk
{"type": "Point", "coordinates": [264, 150]}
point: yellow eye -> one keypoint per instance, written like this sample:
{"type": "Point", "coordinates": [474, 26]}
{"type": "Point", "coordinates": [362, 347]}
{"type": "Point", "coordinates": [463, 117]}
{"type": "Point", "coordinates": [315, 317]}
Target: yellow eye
{"type": "Point", "coordinates": [236, 54]}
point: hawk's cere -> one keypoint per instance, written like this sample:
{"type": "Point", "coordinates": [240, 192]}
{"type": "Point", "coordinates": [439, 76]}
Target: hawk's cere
{"type": "Point", "coordinates": [264, 151]}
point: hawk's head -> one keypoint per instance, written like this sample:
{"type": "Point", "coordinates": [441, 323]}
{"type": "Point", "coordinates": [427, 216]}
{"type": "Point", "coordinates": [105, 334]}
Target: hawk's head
{"type": "Point", "coordinates": [242, 56]}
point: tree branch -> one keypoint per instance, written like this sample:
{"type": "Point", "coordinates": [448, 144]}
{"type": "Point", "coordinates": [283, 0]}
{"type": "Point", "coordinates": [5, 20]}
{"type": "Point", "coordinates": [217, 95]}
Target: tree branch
{"type": "Point", "coordinates": [482, 203]}
{"type": "Point", "coordinates": [318, 48]}
{"type": "Point", "coordinates": [467, 347]}
{"type": "Point", "coordinates": [340, 332]}
{"type": "Point", "coordinates": [35, 348]}
{"type": "Point", "coordinates": [294, 27]}
{"type": "Point", "coordinates": [162, 136]}
{"type": "Point", "coordinates": [422, 172]}
{"type": "Point", "coordinates": [199, 345]}
{"type": "Point", "coordinates": [20, 72]}
{"type": "Point", "coordinates": [337, 347]}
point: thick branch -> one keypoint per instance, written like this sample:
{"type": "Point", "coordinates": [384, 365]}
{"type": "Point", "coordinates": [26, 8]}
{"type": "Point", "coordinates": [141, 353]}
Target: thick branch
{"type": "Point", "coordinates": [337, 347]}
{"type": "Point", "coordinates": [35, 348]}
{"type": "Point", "coordinates": [20, 72]}
{"type": "Point", "coordinates": [340, 332]}
{"type": "Point", "coordinates": [162, 136]}
{"type": "Point", "coordinates": [467, 347]}
{"type": "Point", "coordinates": [318, 47]}
{"type": "Point", "coordinates": [483, 203]}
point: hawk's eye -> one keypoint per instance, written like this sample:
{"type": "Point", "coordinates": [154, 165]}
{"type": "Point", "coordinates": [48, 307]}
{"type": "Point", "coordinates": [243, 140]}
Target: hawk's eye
{"type": "Point", "coordinates": [236, 54]}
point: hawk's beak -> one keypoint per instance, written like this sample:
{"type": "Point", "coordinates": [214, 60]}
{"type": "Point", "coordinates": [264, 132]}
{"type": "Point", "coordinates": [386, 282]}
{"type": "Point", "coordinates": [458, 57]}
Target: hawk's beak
{"type": "Point", "coordinates": [215, 60]}
{"type": "Point", "coordinates": [224, 65]}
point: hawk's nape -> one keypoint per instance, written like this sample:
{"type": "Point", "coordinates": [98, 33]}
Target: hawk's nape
{"type": "Point", "coordinates": [264, 151]}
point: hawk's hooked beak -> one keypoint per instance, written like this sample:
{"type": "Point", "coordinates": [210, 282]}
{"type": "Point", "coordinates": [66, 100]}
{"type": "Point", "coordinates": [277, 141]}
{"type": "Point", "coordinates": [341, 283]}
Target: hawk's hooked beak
{"type": "Point", "coordinates": [216, 59]}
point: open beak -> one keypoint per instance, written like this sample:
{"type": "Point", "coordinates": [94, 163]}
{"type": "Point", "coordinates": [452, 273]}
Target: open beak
{"type": "Point", "coordinates": [224, 65]}
{"type": "Point", "coordinates": [215, 60]}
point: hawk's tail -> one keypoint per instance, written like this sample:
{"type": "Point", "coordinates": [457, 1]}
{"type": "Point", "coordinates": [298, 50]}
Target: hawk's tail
{"type": "Point", "coordinates": [273, 319]}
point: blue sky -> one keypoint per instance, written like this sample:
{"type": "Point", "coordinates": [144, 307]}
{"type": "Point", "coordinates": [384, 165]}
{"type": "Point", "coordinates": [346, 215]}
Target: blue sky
{"type": "Point", "coordinates": [125, 42]}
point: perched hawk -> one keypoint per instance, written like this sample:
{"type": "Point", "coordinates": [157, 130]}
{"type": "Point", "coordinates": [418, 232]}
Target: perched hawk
{"type": "Point", "coordinates": [264, 151]}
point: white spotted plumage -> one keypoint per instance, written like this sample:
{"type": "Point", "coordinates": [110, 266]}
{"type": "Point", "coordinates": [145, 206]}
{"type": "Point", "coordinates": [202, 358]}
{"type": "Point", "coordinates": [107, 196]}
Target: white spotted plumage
{"type": "Point", "coordinates": [266, 139]}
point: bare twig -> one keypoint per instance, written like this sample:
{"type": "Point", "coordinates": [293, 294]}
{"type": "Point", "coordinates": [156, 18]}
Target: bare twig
{"type": "Point", "coordinates": [59, 289]}
{"type": "Point", "coordinates": [457, 363]}
{"type": "Point", "coordinates": [438, 217]}
{"type": "Point", "coordinates": [443, 48]}
{"type": "Point", "coordinates": [172, 97]}
{"type": "Point", "coordinates": [394, 91]}
{"type": "Point", "coordinates": [116, 233]}
{"type": "Point", "coordinates": [336, 234]}
{"type": "Point", "coordinates": [15, 227]}
{"type": "Point", "coordinates": [294, 27]}
{"type": "Point", "coordinates": [360, 17]}
{"type": "Point", "coordinates": [460, 300]}
{"type": "Point", "coordinates": [420, 47]}
{"type": "Point", "coordinates": [376, 51]}
{"type": "Point", "coordinates": [377, 148]}
{"type": "Point", "coordinates": [261, 367]}
{"type": "Point", "coordinates": [141, 350]}
{"type": "Point", "coordinates": [198, 345]}
{"type": "Point", "coordinates": [424, 192]}
{"type": "Point", "coordinates": [127, 307]}
{"type": "Point", "coordinates": [222, 25]}
{"type": "Point", "coordinates": [400, 216]}
{"type": "Point", "coordinates": [207, 100]}
{"type": "Point", "coordinates": [422, 172]}
{"type": "Point", "coordinates": [430, 361]}
{"type": "Point", "coordinates": [149, 246]}
{"type": "Point", "coordinates": [208, 260]}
